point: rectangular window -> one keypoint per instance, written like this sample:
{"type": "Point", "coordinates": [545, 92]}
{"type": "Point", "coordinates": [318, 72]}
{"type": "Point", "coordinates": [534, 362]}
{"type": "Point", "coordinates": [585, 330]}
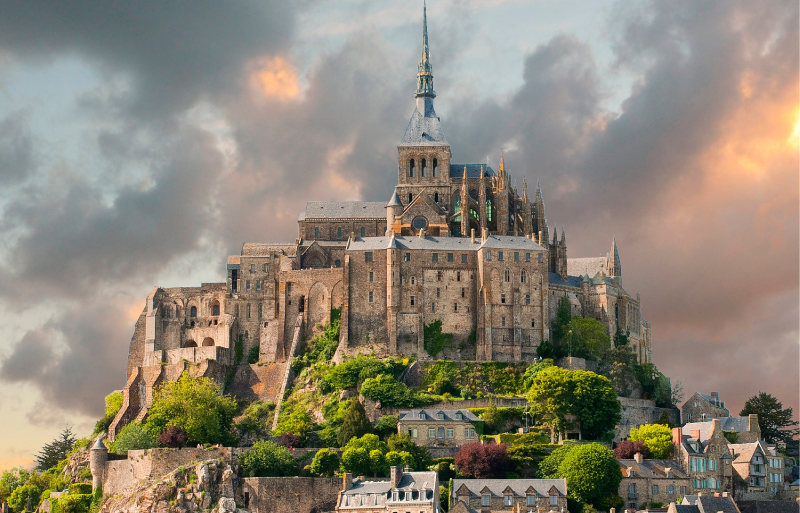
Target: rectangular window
{"type": "Point", "coordinates": [527, 299]}
{"type": "Point", "coordinates": [531, 500]}
{"type": "Point", "coordinates": [671, 489]}
{"type": "Point", "coordinates": [455, 307]}
{"type": "Point", "coordinates": [508, 500]}
{"type": "Point", "coordinates": [266, 268]}
{"type": "Point", "coordinates": [488, 255]}
{"type": "Point", "coordinates": [258, 284]}
{"type": "Point", "coordinates": [370, 276]}
{"type": "Point", "coordinates": [339, 232]}
{"type": "Point", "coordinates": [632, 489]}
{"type": "Point", "coordinates": [464, 258]}
{"type": "Point", "coordinates": [363, 231]}
{"type": "Point", "coordinates": [449, 257]}
{"type": "Point", "coordinates": [486, 500]}
{"type": "Point", "coordinates": [655, 489]}
{"type": "Point", "coordinates": [412, 300]}
{"type": "Point", "coordinates": [440, 432]}
{"type": "Point", "coordinates": [248, 311]}
{"type": "Point", "coordinates": [450, 433]}
{"type": "Point", "coordinates": [458, 275]}
{"type": "Point", "coordinates": [516, 256]}
{"type": "Point", "coordinates": [435, 257]}
{"type": "Point", "coordinates": [683, 490]}
{"type": "Point", "coordinates": [500, 256]}
{"type": "Point", "coordinates": [541, 258]}
{"type": "Point", "coordinates": [439, 276]}
{"type": "Point", "coordinates": [431, 432]}
{"type": "Point", "coordinates": [463, 292]}
{"type": "Point", "coordinates": [316, 233]}
{"type": "Point", "coordinates": [503, 321]}
{"type": "Point", "coordinates": [370, 296]}
{"type": "Point", "coordinates": [368, 256]}
{"type": "Point", "coordinates": [502, 298]}
{"type": "Point", "coordinates": [407, 257]}
{"type": "Point", "coordinates": [252, 268]}
{"type": "Point", "coordinates": [527, 257]}
{"type": "Point", "coordinates": [507, 276]}
{"type": "Point", "coordinates": [433, 307]}
{"type": "Point", "coordinates": [438, 292]}
{"type": "Point", "coordinates": [554, 500]}
{"type": "Point", "coordinates": [247, 285]}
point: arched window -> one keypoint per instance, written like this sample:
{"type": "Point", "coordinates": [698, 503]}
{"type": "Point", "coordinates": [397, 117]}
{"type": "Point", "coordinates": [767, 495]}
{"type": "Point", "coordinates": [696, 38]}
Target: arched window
{"type": "Point", "coordinates": [411, 168]}
{"type": "Point", "coordinates": [208, 341]}
{"type": "Point", "coordinates": [488, 210]}
{"type": "Point", "coordinates": [424, 167]}
{"type": "Point", "coordinates": [522, 278]}
{"type": "Point", "coordinates": [435, 168]}
{"type": "Point", "coordinates": [190, 343]}
{"type": "Point", "coordinates": [436, 197]}
{"type": "Point", "coordinates": [193, 311]}
{"type": "Point", "coordinates": [215, 308]}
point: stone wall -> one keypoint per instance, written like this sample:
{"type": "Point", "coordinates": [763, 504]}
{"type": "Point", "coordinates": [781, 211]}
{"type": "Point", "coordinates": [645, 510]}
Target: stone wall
{"type": "Point", "coordinates": [636, 412]}
{"type": "Point", "coordinates": [290, 494]}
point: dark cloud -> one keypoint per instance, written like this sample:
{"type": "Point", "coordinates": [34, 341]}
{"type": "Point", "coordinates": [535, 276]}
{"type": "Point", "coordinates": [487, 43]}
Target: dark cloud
{"type": "Point", "coordinates": [17, 159]}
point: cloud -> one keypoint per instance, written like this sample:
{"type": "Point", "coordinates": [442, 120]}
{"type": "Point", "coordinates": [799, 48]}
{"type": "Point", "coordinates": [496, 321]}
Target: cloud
{"type": "Point", "coordinates": [17, 159]}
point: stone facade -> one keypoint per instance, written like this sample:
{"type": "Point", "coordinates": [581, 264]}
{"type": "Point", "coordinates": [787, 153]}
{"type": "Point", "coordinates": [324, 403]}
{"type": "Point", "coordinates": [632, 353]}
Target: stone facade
{"type": "Point", "coordinates": [456, 243]}
{"type": "Point", "coordinates": [757, 471]}
{"type": "Point", "coordinates": [510, 494]}
{"type": "Point", "coordinates": [432, 427]}
{"type": "Point", "coordinates": [289, 494]}
{"type": "Point", "coordinates": [705, 457]}
{"type": "Point", "coordinates": [702, 407]}
{"type": "Point", "coordinates": [648, 481]}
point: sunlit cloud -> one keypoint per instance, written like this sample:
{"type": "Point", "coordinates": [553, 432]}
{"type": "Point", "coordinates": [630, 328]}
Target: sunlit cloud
{"type": "Point", "coordinates": [277, 78]}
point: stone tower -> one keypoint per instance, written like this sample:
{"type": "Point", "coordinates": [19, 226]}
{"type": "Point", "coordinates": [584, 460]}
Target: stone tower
{"type": "Point", "coordinates": [98, 457]}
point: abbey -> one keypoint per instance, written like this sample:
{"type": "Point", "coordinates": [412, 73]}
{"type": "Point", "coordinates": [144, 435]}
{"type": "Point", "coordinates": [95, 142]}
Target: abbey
{"type": "Point", "coordinates": [455, 243]}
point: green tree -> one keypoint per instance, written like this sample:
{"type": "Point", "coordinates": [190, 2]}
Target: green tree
{"type": "Point", "coordinates": [549, 467]}
{"type": "Point", "coordinates": [368, 442]}
{"type": "Point", "coordinates": [19, 497]}
{"type": "Point", "coordinates": [377, 463]}
{"type": "Point", "coordinates": [592, 473]}
{"type": "Point", "coordinates": [775, 421]}
{"type": "Point", "coordinates": [133, 437]}
{"type": "Point", "coordinates": [387, 425]}
{"type": "Point", "coordinates": [390, 392]}
{"type": "Point", "coordinates": [402, 458]}
{"type": "Point", "coordinates": [403, 443]}
{"type": "Point", "coordinates": [563, 316]}
{"type": "Point", "coordinates": [657, 438]}
{"type": "Point", "coordinates": [595, 403]}
{"type": "Point", "coordinates": [551, 393]}
{"type": "Point", "coordinates": [325, 463]}
{"type": "Point", "coordinates": [267, 459]}
{"type": "Point", "coordinates": [113, 405]}
{"type": "Point", "coordinates": [357, 461]}
{"type": "Point", "coordinates": [533, 370]}
{"type": "Point", "coordinates": [588, 337]}
{"type": "Point", "coordinates": [56, 450]}
{"type": "Point", "coordinates": [198, 406]}
{"type": "Point", "coordinates": [355, 423]}
{"type": "Point", "coordinates": [664, 419]}
{"type": "Point", "coordinates": [654, 383]}
{"type": "Point", "coordinates": [298, 423]}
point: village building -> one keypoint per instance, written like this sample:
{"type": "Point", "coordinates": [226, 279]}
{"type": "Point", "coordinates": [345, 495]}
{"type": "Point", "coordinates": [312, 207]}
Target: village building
{"type": "Point", "coordinates": [486, 495]}
{"type": "Point", "coordinates": [439, 428]}
{"type": "Point", "coordinates": [647, 481]}
{"type": "Point", "coordinates": [702, 407]}
{"type": "Point", "coordinates": [405, 490]}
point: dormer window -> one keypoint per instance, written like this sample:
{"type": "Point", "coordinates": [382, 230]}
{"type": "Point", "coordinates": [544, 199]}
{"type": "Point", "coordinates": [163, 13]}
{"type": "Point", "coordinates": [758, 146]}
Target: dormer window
{"type": "Point", "coordinates": [459, 416]}
{"type": "Point", "coordinates": [631, 473]}
{"type": "Point", "coordinates": [422, 416]}
{"type": "Point", "coordinates": [440, 416]}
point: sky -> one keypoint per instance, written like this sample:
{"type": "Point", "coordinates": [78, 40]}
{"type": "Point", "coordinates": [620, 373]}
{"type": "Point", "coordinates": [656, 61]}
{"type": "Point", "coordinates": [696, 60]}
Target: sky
{"type": "Point", "coordinates": [143, 142]}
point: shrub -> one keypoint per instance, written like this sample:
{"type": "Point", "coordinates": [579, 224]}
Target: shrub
{"type": "Point", "coordinates": [113, 405]}
{"type": "Point", "coordinates": [369, 442]}
{"type": "Point", "coordinates": [592, 473]}
{"type": "Point", "coordinates": [80, 488]}
{"type": "Point", "coordinates": [74, 503]}
{"type": "Point", "coordinates": [267, 459]}
{"type": "Point", "coordinates": [172, 437]}
{"type": "Point", "coordinates": [483, 461]}
{"type": "Point", "coordinates": [298, 422]}
{"type": "Point", "coordinates": [351, 372]}
{"type": "Point", "coordinates": [198, 406]}
{"type": "Point", "coordinates": [389, 392]}
{"type": "Point", "coordinates": [132, 437]}
{"type": "Point", "coordinates": [253, 354]}
{"type": "Point", "coordinates": [356, 460]}
{"type": "Point", "coordinates": [355, 423]}
{"type": "Point", "coordinates": [387, 425]}
{"type": "Point", "coordinates": [657, 438]}
{"type": "Point", "coordinates": [434, 340]}
{"type": "Point", "coordinates": [626, 449]}
{"type": "Point", "coordinates": [325, 463]}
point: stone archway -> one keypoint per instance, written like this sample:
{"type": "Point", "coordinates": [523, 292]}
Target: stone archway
{"type": "Point", "coordinates": [190, 343]}
{"type": "Point", "coordinates": [318, 305]}
{"type": "Point", "coordinates": [336, 296]}
{"type": "Point", "coordinates": [208, 341]}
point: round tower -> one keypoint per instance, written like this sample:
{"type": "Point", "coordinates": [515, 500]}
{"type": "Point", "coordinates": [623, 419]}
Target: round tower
{"type": "Point", "coordinates": [393, 209]}
{"type": "Point", "coordinates": [98, 456]}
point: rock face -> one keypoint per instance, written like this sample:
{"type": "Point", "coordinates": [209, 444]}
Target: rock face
{"type": "Point", "coordinates": [208, 485]}
{"type": "Point", "coordinates": [78, 461]}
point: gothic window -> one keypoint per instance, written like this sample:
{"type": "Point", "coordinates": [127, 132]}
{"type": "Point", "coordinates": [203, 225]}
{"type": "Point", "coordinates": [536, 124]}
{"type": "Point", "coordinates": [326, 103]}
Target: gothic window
{"type": "Point", "coordinates": [436, 197]}
{"type": "Point", "coordinates": [193, 311]}
{"type": "Point", "coordinates": [435, 169]}
{"type": "Point", "coordinates": [424, 168]}
{"type": "Point", "coordinates": [507, 276]}
{"type": "Point", "coordinates": [410, 172]}
{"type": "Point", "coordinates": [488, 210]}
{"type": "Point", "coordinates": [339, 232]}
{"type": "Point", "coordinates": [363, 231]}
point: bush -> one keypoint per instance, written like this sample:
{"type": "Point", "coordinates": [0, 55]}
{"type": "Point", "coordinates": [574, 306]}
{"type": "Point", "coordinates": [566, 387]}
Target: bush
{"type": "Point", "coordinates": [133, 437]}
{"type": "Point", "coordinates": [526, 458]}
{"type": "Point", "coordinates": [198, 406]}
{"type": "Point", "coordinates": [113, 405]}
{"type": "Point", "coordinates": [356, 460]}
{"type": "Point", "coordinates": [350, 373]}
{"type": "Point", "coordinates": [298, 422]}
{"type": "Point", "coordinates": [387, 425]}
{"type": "Point", "coordinates": [253, 354]}
{"type": "Point", "coordinates": [325, 463]}
{"type": "Point", "coordinates": [74, 503]}
{"type": "Point", "coordinates": [627, 449]}
{"type": "Point", "coordinates": [172, 437]}
{"type": "Point", "coordinates": [482, 461]}
{"type": "Point", "coordinates": [592, 473]}
{"type": "Point", "coordinates": [390, 392]}
{"type": "Point", "coordinates": [267, 459]}
{"type": "Point", "coordinates": [255, 417]}
{"type": "Point", "coordinates": [354, 424]}
{"type": "Point", "coordinates": [80, 488]}
{"type": "Point", "coordinates": [434, 340]}
{"type": "Point", "coordinates": [657, 438]}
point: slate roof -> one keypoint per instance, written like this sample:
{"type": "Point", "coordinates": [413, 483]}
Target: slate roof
{"type": "Point", "coordinates": [497, 486]}
{"type": "Point", "coordinates": [394, 201]}
{"type": "Point", "coordinates": [443, 243]}
{"type": "Point", "coordinates": [260, 249]}
{"type": "Point", "coordinates": [743, 453]}
{"type": "Point", "coordinates": [652, 468]}
{"type": "Point", "coordinates": [590, 266]}
{"type": "Point", "coordinates": [710, 504]}
{"type": "Point", "coordinates": [473, 171]}
{"type": "Point", "coordinates": [375, 493]}
{"type": "Point", "coordinates": [424, 130]}
{"type": "Point", "coordinates": [767, 507]}
{"type": "Point", "coordinates": [345, 210]}
{"type": "Point", "coordinates": [740, 424]}
{"type": "Point", "coordinates": [433, 414]}
{"type": "Point", "coordinates": [571, 281]}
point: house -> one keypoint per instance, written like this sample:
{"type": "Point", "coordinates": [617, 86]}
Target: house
{"type": "Point", "coordinates": [439, 428]}
{"type": "Point", "coordinates": [648, 481]}
{"type": "Point", "coordinates": [702, 407]}
{"type": "Point", "coordinates": [758, 469]}
{"type": "Point", "coordinates": [703, 453]}
{"type": "Point", "coordinates": [701, 503]}
{"type": "Point", "coordinates": [739, 430]}
{"type": "Point", "coordinates": [404, 490]}
{"type": "Point", "coordinates": [484, 495]}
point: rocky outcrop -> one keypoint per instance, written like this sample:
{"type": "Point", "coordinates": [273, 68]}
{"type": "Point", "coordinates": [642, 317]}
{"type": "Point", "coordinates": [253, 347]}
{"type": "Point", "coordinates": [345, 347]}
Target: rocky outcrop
{"type": "Point", "coordinates": [204, 486]}
{"type": "Point", "coordinates": [77, 468]}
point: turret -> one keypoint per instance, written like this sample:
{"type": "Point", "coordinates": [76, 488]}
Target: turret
{"type": "Point", "coordinates": [393, 209]}
{"type": "Point", "coordinates": [613, 265]}
{"type": "Point", "coordinates": [98, 457]}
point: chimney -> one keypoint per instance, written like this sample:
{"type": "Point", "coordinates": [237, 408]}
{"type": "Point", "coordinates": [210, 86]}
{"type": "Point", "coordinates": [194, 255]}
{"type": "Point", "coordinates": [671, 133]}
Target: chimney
{"type": "Point", "coordinates": [716, 428]}
{"type": "Point", "coordinates": [347, 481]}
{"type": "Point", "coordinates": [715, 395]}
{"type": "Point", "coordinates": [724, 494]}
{"type": "Point", "coordinates": [753, 423]}
{"type": "Point", "coordinates": [638, 457]}
{"type": "Point", "coordinates": [395, 474]}
{"type": "Point", "coordinates": [540, 237]}
{"type": "Point", "coordinates": [677, 434]}
{"type": "Point", "coordinates": [472, 234]}
{"type": "Point", "coordinates": [699, 494]}
{"type": "Point", "coordinates": [695, 433]}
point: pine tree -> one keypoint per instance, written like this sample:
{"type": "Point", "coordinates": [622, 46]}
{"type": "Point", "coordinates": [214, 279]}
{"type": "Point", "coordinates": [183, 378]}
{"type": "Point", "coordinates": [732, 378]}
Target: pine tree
{"type": "Point", "coordinates": [563, 316]}
{"type": "Point", "coordinates": [775, 421]}
{"type": "Point", "coordinates": [354, 423]}
{"type": "Point", "coordinates": [56, 450]}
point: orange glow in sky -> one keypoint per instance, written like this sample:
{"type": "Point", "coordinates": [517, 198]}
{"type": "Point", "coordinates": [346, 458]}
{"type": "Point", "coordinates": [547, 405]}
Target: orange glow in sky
{"type": "Point", "coordinates": [276, 78]}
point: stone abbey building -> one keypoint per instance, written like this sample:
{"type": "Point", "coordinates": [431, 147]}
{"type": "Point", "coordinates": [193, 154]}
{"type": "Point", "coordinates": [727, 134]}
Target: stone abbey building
{"type": "Point", "coordinates": [454, 242]}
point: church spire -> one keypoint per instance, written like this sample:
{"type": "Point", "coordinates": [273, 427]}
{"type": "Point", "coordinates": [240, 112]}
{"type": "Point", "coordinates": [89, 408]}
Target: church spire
{"type": "Point", "coordinates": [613, 264]}
{"type": "Point", "coordinates": [424, 73]}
